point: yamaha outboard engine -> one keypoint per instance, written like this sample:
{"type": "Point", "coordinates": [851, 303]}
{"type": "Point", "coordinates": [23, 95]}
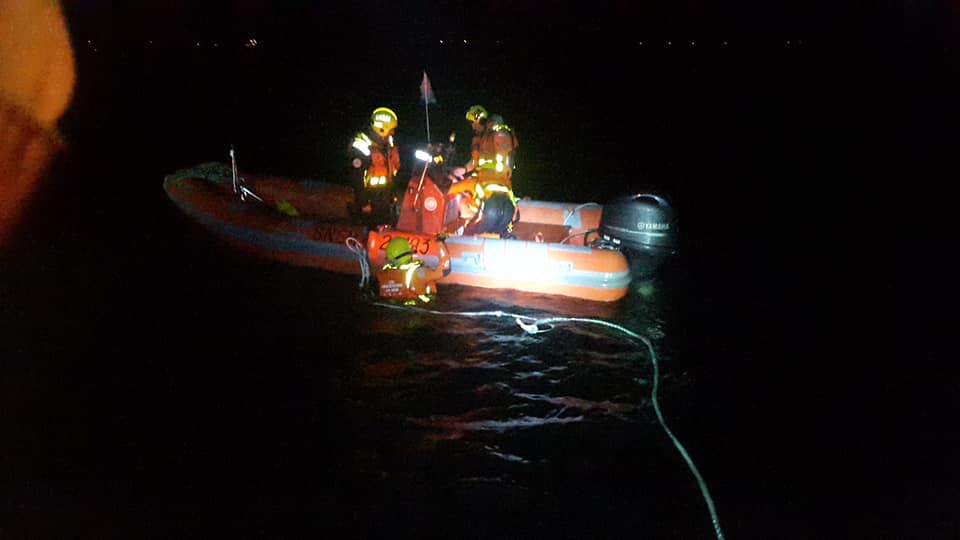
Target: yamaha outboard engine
{"type": "Point", "coordinates": [642, 226]}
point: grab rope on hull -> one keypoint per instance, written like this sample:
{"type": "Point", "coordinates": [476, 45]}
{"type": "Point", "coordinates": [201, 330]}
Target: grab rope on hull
{"type": "Point", "coordinates": [360, 251]}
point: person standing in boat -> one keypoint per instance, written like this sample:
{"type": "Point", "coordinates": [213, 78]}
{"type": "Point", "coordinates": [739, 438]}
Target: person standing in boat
{"type": "Point", "coordinates": [484, 188]}
{"type": "Point", "coordinates": [491, 148]}
{"type": "Point", "coordinates": [376, 154]}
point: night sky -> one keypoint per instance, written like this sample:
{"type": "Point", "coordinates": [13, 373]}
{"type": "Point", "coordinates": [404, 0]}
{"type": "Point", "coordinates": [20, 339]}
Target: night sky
{"type": "Point", "coordinates": [519, 20]}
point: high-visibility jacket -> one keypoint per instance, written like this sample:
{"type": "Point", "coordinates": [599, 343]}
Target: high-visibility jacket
{"type": "Point", "coordinates": [380, 156]}
{"type": "Point", "coordinates": [471, 192]}
{"type": "Point", "coordinates": [490, 151]}
{"type": "Point", "coordinates": [480, 189]}
{"type": "Point", "coordinates": [409, 283]}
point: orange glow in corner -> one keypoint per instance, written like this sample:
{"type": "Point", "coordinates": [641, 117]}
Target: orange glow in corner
{"type": "Point", "coordinates": [37, 77]}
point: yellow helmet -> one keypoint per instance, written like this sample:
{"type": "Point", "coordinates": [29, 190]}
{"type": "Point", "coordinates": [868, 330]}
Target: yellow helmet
{"type": "Point", "coordinates": [398, 251]}
{"type": "Point", "coordinates": [383, 121]}
{"type": "Point", "coordinates": [477, 113]}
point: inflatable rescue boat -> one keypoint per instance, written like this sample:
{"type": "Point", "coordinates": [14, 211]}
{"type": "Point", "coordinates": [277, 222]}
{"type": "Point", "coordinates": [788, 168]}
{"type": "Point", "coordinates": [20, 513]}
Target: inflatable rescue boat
{"type": "Point", "coordinates": [581, 250]}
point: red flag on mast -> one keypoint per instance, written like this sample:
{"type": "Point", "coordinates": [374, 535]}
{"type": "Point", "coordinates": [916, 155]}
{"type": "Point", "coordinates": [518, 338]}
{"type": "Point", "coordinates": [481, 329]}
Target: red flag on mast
{"type": "Point", "coordinates": [426, 90]}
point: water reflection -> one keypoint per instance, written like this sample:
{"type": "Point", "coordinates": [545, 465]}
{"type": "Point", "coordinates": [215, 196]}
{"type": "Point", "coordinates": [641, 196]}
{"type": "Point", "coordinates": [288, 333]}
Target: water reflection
{"type": "Point", "coordinates": [468, 377]}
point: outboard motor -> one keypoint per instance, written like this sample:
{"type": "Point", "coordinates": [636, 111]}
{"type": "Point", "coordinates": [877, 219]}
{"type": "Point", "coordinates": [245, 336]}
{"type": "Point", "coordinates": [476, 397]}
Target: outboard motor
{"type": "Point", "coordinates": [642, 226]}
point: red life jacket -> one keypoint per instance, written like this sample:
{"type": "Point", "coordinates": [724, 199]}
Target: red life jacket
{"type": "Point", "coordinates": [381, 156]}
{"type": "Point", "coordinates": [407, 283]}
{"type": "Point", "coordinates": [491, 150]}
{"type": "Point", "coordinates": [384, 162]}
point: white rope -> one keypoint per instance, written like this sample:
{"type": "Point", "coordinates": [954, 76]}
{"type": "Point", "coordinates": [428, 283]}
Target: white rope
{"type": "Point", "coordinates": [714, 518]}
{"type": "Point", "coordinates": [534, 327]}
{"type": "Point", "coordinates": [360, 251]}
{"type": "Point", "coordinates": [584, 234]}
{"type": "Point", "coordinates": [577, 208]}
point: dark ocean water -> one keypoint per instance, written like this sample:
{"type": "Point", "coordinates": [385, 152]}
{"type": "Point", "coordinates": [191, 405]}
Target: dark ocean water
{"type": "Point", "coordinates": [158, 384]}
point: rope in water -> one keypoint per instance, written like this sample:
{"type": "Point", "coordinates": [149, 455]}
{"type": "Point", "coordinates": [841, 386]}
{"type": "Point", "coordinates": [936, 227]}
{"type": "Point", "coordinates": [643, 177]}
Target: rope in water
{"type": "Point", "coordinates": [539, 326]}
{"type": "Point", "coordinates": [534, 327]}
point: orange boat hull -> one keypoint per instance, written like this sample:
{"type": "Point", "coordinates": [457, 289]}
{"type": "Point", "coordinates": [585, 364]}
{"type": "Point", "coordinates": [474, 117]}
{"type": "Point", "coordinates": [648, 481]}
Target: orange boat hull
{"type": "Point", "coordinates": [551, 258]}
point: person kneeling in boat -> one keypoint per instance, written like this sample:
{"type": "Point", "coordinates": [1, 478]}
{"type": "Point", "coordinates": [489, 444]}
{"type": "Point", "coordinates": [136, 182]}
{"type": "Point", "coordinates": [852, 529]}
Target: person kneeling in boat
{"type": "Point", "coordinates": [484, 208]}
{"type": "Point", "coordinates": [483, 188]}
{"type": "Point", "coordinates": [404, 279]}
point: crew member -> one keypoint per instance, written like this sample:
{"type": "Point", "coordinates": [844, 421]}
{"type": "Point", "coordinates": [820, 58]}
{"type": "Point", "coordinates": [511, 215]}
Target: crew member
{"type": "Point", "coordinates": [404, 279]}
{"type": "Point", "coordinates": [376, 153]}
{"type": "Point", "coordinates": [491, 148]}
{"type": "Point", "coordinates": [484, 190]}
